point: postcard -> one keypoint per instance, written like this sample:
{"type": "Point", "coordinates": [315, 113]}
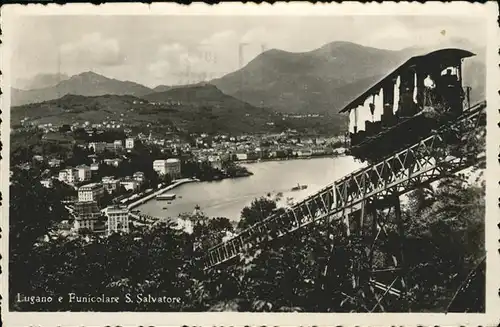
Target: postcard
{"type": "Point", "coordinates": [243, 164]}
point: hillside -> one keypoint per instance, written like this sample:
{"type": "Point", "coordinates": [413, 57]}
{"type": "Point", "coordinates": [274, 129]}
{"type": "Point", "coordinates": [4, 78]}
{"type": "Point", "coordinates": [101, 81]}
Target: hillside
{"type": "Point", "coordinates": [194, 109]}
{"type": "Point", "coordinates": [162, 88]}
{"type": "Point", "coordinates": [87, 84]}
{"type": "Point", "coordinates": [209, 107]}
{"type": "Point", "coordinates": [203, 95]}
{"type": "Point", "coordinates": [325, 79]}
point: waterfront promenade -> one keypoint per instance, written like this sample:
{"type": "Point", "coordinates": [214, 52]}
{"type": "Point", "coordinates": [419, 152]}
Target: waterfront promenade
{"type": "Point", "coordinates": [175, 183]}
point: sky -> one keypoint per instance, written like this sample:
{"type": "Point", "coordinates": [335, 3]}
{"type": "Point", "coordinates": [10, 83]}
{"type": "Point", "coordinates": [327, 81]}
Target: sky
{"type": "Point", "coordinates": [155, 50]}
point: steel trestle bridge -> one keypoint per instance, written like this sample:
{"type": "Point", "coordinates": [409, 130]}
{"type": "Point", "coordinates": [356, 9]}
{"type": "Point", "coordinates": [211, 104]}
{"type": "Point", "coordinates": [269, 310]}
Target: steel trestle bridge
{"type": "Point", "coordinates": [369, 198]}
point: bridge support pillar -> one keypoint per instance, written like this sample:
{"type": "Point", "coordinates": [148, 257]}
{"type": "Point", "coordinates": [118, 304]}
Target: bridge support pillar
{"type": "Point", "coordinates": [384, 240]}
{"type": "Point", "coordinates": [375, 237]}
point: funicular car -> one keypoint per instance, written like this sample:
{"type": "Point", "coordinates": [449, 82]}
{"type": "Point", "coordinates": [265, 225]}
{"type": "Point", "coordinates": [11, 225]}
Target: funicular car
{"type": "Point", "coordinates": [423, 93]}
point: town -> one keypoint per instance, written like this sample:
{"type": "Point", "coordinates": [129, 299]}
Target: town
{"type": "Point", "coordinates": [107, 170]}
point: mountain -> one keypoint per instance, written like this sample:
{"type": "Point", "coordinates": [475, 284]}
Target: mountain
{"type": "Point", "coordinates": [213, 110]}
{"type": "Point", "coordinates": [87, 84]}
{"type": "Point", "coordinates": [162, 88]}
{"type": "Point", "coordinates": [321, 80]}
{"type": "Point", "coordinates": [40, 81]}
{"type": "Point", "coordinates": [306, 82]}
{"type": "Point", "coordinates": [193, 108]}
{"type": "Point", "coordinates": [201, 95]}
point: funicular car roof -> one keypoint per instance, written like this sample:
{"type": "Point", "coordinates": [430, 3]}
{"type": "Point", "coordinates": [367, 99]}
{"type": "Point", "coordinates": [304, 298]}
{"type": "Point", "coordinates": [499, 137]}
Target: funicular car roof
{"type": "Point", "coordinates": [434, 56]}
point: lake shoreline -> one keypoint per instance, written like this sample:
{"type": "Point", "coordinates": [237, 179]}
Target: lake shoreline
{"type": "Point", "coordinates": [333, 156]}
{"type": "Point", "coordinates": [227, 197]}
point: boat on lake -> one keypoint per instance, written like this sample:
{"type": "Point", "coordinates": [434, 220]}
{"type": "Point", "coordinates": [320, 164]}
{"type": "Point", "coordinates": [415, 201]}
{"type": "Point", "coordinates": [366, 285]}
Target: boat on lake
{"type": "Point", "coordinates": [299, 187]}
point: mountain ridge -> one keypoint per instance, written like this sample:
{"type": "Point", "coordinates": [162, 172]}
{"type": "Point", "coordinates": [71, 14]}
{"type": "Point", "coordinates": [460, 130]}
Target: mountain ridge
{"type": "Point", "coordinates": [208, 111]}
{"type": "Point", "coordinates": [321, 80]}
{"type": "Point", "coordinates": [327, 78]}
{"type": "Point", "coordinates": [86, 83]}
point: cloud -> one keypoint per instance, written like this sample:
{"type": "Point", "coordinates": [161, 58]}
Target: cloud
{"type": "Point", "coordinates": [220, 38]}
{"type": "Point", "coordinates": [93, 50]}
{"type": "Point", "coordinates": [185, 64]}
{"type": "Point", "coordinates": [167, 49]}
{"type": "Point", "coordinates": [159, 68]}
{"type": "Point", "coordinates": [397, 33]}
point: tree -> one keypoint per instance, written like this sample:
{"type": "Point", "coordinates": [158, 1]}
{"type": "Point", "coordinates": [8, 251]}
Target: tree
{"type": "Point", "coordinates": [258, 210]}
{"type": "Point", "coordinates": [33, 212]}
{"type": "Point", "coordinates": [79, 156]}
{"type": "Point", "coordinates": [445, 232]}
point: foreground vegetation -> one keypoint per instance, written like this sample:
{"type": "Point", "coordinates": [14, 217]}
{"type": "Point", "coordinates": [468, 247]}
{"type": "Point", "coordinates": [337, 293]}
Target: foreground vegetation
{"type": "Point", "coordinates": [443, 223]}
{"type": "Point", "coordinates": [445, 231]}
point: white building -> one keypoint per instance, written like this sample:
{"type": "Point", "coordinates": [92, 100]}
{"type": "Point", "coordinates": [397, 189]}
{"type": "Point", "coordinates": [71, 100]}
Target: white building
{"type": "Point", "coordinates": [130, 184]}
{"type": "Point", "coordinates": [139, 176]}
{"type": "Point", "coordinates": [160, 166]}
{"type": "Point", "coordinates": [90, 192]}
{"type": "Point", "coordinates": [241, 156]}
{"type": "Point", "coordinates": [47, 183]}
{"type": "Point", "coordinates": [173, 167]}
{"type": "Point", "coordinates": [68, 176]}
{"type": "Point", "coordinates": [54, 162]}
{"type": "Point", "coordinates": [185, 224]}
{"type": "Point", "coordinates": [94, 166]}
{"type": "Point", "coordinates": [113, 162]}
{"type": "Point", "coordinates": [84, 173]}
{"type": "Point", "coordinates": [170, 166]}
{"type": "Point", "coordinates": [117, 219]}
{"type": "Point", "coordinates": [129, 143]}
{"type": "Point", "coordinates": [38, 158]}
{"type": "Point", "coordinates": [304, 153]}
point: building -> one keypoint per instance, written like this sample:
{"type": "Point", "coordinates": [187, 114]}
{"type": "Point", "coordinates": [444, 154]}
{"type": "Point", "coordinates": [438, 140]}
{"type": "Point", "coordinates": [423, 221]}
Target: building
{"type": "Point", "coordinates": [98, 147]}
{"type": "Point", "coordinates": [84, 173]}
{"type": "Point", "coordinates": [129, 143]}
{"type": "Point", "coordinates": [318, 151]}
{"type": "Point", "coordinates": [107, 178]}
{"type": "Point", "coordinates": [113, 162]}
{"type": "Point", "coordinates": [94, 157]}
{"type": "Point", "coordinates": [47, 183]}
{"type": "Point", "coordinates": [86, 215]}
{"type": "Point", "coordinates": [117, 219]}
{"type": "Point", "coordinates": [94, 166]}
{"type": "Point", "coordinates": [185, 225]}
{"type": "Point", "coordinates": [173, 166]}
{"type": "Point", "coordinates": [90, 192]}
{"type": "Point", "coordinates": [170, 166]}
{"type": "Point", "coordinates": [304, 153]}
{"type": "Point", "coordinates": [277, 154]}
{"type": "Point", "coordinates": [241, 156]}
{"type": "Point", "coordinates": [54, 163]}
{"type": "Point", "coordinates": [38, 158]}
{"type": "Point", "coordinates": [130, 184]}
{"type": "Point", "coordinates": [110, 184]}
{"type": "Point", "coordinates": [160, 166]}
{"type": "Point", "coordinates": [216, 164]}
{"type": "Point", "coordinates": [248, 155]}
{"type": "Point", "coordinates": [139, 177]}
{"type": "Point", "coordinates": [118, 145]}
{"type": "Point", "coordinates": [68, 175]}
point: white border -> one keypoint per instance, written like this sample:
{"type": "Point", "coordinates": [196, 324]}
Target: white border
{"type": "Point", "coordinates": [489, 11]}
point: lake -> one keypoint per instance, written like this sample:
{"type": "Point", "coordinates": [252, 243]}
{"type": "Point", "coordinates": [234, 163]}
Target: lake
{"type": "Point", "coordinates": [228, 197]}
